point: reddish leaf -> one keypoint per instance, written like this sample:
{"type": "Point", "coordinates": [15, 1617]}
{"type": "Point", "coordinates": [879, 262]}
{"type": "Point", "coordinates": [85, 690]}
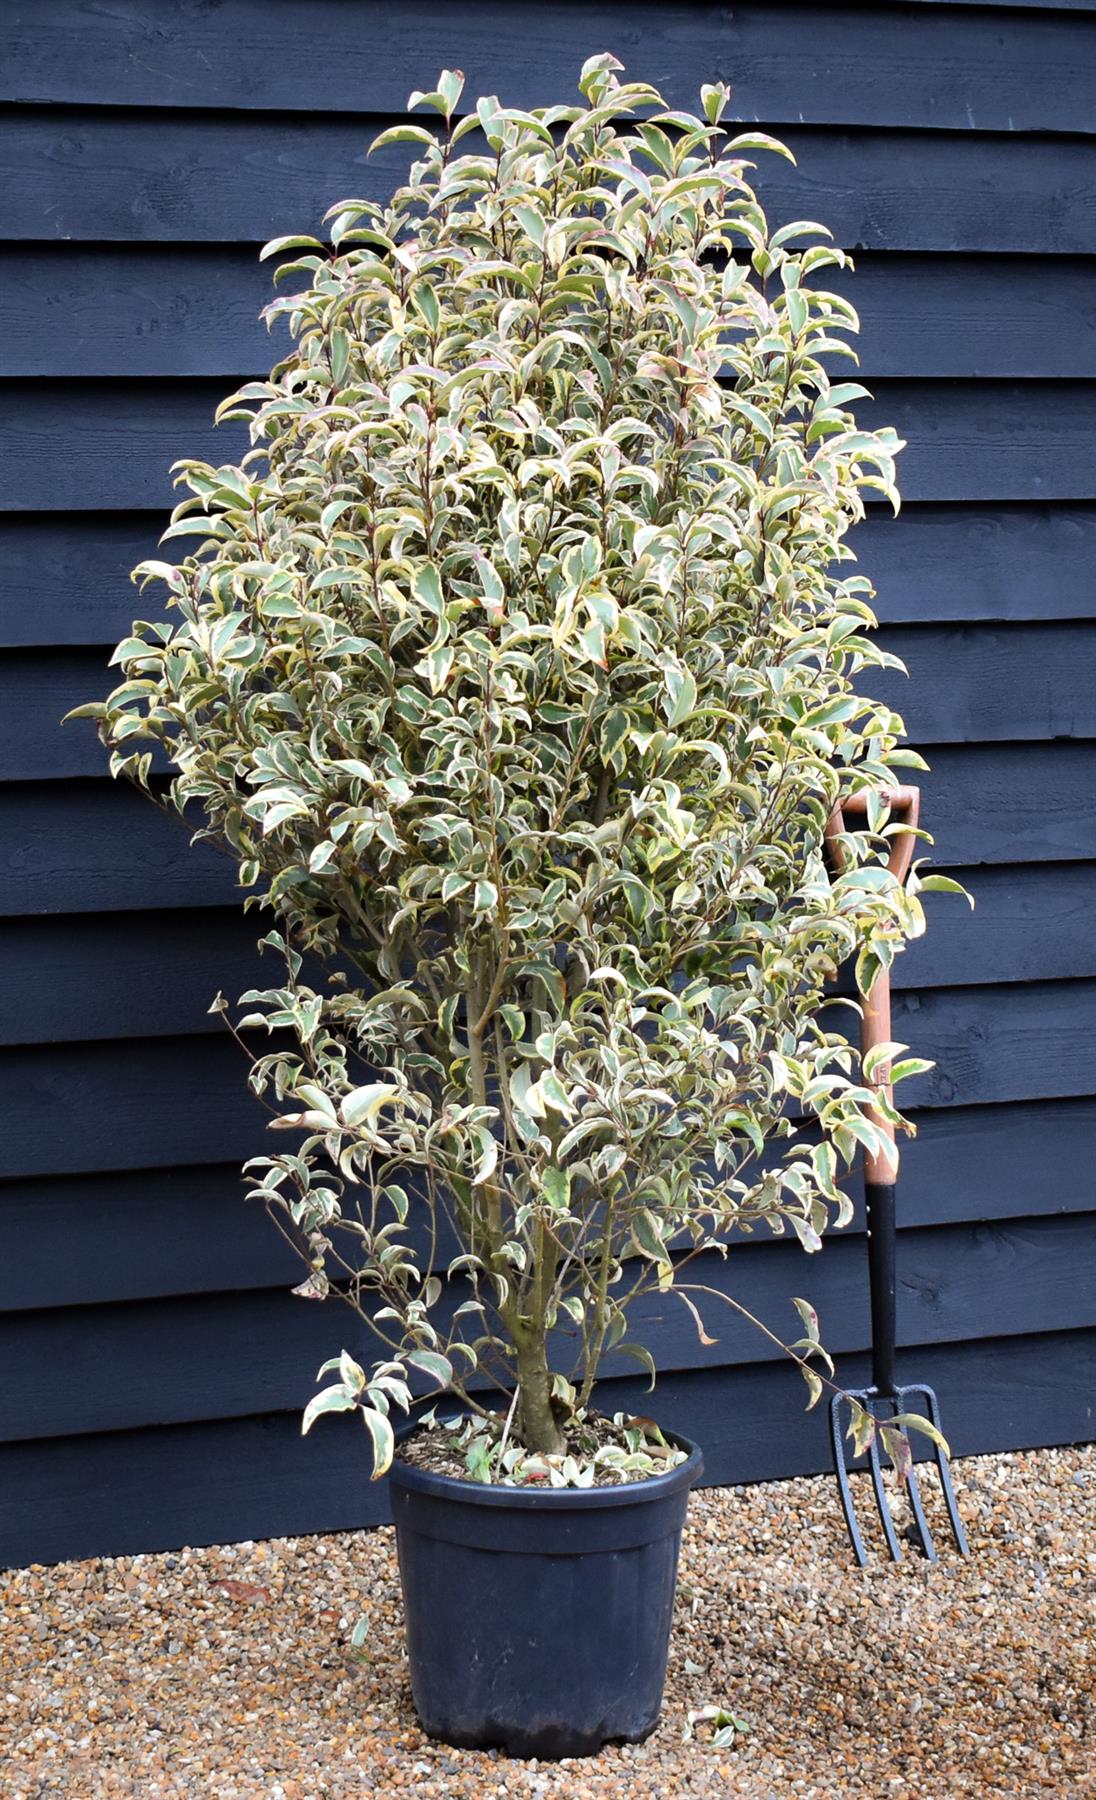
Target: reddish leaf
{"type": "Point", "coordinates": [243, 1590]}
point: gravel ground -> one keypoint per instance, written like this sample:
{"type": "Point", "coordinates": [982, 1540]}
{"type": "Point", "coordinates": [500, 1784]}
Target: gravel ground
{"type": "Point", "coordinates": [228, 1674]}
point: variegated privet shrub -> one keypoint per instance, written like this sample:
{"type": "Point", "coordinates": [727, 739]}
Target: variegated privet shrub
{"type": "Point", "coordinates": [515, 666]}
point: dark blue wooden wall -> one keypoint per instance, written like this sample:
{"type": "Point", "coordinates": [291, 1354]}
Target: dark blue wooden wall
{"type": "Point", "coordinates": [152, 1362]}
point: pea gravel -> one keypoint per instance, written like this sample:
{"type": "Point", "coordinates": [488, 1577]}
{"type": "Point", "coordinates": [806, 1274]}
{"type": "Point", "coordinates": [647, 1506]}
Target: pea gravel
{"type": "Point", "coordinates": [228, 1673]}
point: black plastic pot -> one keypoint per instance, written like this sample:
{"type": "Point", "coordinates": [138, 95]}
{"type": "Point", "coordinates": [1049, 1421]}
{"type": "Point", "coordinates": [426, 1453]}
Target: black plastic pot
{"type": "Point", "coordinates": [539, 1620]}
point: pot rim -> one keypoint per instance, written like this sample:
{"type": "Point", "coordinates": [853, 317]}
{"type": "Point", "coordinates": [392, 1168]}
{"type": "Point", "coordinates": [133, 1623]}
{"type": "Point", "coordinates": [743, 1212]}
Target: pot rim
{"type": "Point", "coordinates": [538, 1499]}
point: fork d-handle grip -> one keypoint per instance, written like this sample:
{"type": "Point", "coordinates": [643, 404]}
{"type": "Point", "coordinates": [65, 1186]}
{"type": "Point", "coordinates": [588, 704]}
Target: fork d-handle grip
{"type": "Point", "coordinates": [879, 1204]}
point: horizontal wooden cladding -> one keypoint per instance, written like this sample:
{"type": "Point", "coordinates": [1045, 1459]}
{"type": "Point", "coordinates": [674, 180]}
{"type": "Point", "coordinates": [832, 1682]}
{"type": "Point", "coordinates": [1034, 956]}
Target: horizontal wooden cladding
{"type": "Point", "coordinates": [1035, 1041]}
{"type": "Point", "coordinates": [165, 310]}
{"type": "Point", "coordinates": [149, 1233]}
{"type": "Point", "coordinates": [1029, 923]}
{"type": "Point", "coordinates": [833, 64]}
{"type": "Point", "coordinates": [97, 846]}
{"type": "Point", "coordinates": [157, 1102]}
{"type": "Point", "coordinates": [113, 1493]}
{"type": "Point", "coordinates": [966, 684]}
{"type": "Point", "coordinates": [967, 562]}
{"type": "Point", "coordinates": [92, 176]}
{"type": "Point", "coordinates": [161, 1362]}
{"type": "Point", "coordinates": [84, 446]}
{"type": "Point", "coordinates": [68, 309]}
{"type": "Point", "coordinates": [91, 976]}
{"type": "Point", "coordinates": [64, 578]}
{"type": "Point", "coordinates": [1012, 6]}
{"type": "Point", "coordinates": [990, 440]}
{"type": "Point", "coordinates": [977, 684]}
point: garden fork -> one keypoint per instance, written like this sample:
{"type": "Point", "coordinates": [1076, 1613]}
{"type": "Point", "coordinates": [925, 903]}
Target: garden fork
{"type": "Point", "coordinates": [884, 1399]}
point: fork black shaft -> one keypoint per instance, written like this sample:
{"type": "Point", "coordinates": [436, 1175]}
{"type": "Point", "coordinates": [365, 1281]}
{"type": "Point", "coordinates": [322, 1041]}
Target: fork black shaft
{"type": "Point", "coordinates": [879, 1199]}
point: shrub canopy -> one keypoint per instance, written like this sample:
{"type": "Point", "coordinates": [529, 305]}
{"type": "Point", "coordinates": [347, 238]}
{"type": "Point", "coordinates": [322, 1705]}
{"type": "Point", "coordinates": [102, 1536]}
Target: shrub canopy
{"type": "Point", "coordinates": [515, 665]}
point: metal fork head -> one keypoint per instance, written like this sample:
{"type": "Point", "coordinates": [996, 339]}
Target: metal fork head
{"type": "Point", "coordinates": [914, 1397]}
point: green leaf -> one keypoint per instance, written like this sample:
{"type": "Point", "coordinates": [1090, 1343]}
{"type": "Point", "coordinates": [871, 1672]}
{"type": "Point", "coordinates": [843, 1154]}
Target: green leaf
{"type": "Point", "coordinates": [554, 1094]}
{"type": "Point", "coordinates": [277, 245]}
{"type": "Point", "coordinates": [451, 87]}
{"type": "Point", "coordinates": [861, 1427]}
{"type": "Point", "coordinates": [647, 1236]}
{"type": "Point", "coordinates": [486, 897]}
{"type": "Point", "coordinates": [514, 1020]}
{"type": "Point", "coordinates": [916, 1422]}
{"type": "Point", "coordinates": [910, 1065]}
{"type": "Point", "coordinates": [403, 134]}
{"type": "Point", "coordinates": [556, 1188]}
{"type": "Point", "coordinates": [714, 98]}
{"type": "Point", "coordinates": [639, 1353]}
{"type": "Point", "coordinates": [333, 1399]}
{"type": "Point", "coordinates": [340, 354]}
{"type": "Point", "coordinates": [897, 1446]}
{"type": "Point", "coordinates": [362, 1105]}
{"type": "Point", "coordinates": [426, 587]}
{"type": "Point", "coordinates": [432, 1363]}
{"type": "Point", "coordinates": [681, 690]}
{"type": "Point", "coordinates": [809, 1317]}
{"type": "Point", "coordinates": [533, 224]}
{"type": "Point", "coordinates": [425, 302]}
{"type": "Point", "coordinates": [641, 900]}
{"type": "Point", "coordinates": [439, 664]}
{"type": "Point", "coordinates": [943, 884]}
{"type": "Point", "coordinates": [383, 1440]}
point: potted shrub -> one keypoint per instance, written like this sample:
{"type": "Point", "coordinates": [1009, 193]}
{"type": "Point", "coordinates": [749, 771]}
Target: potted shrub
{"type": "Point", "coordinates": [515, 667]}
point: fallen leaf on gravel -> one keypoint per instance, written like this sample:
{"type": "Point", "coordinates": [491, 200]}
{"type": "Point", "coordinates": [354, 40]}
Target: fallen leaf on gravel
{"type": "Point", "coordinates": [243, 1590]}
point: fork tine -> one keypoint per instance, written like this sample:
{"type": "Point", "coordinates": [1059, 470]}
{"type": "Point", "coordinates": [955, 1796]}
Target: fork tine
{"type": "Point", "coordinates": [837, 1439]}
{"type": "Point", "coordinates": [882, 1502]}
{"type": "Point", "coordinates": [921, 1524]}
{"type": "Point", "coordinates": [952, 1505]}
{"type": "Point", "coordinates": [913, 1491]}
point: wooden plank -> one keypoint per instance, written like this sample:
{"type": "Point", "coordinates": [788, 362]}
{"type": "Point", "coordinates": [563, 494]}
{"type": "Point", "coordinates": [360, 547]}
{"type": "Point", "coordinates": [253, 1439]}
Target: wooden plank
{"type": "Point", "coordinates": [127, 975]}
{"type": "Point", "coordinates": [146, 309]}
{"type": "Point", "coordinates": [92, 176]}
{"type": "Point", "coordinates": [1081, 6]}
{"type": "Point", "coordinates": [1031, 922]}
{"type": "Point", "coordinates": [966, 684]}
{"type": "Point", "coordinates": [136, 1235]}
{"type": "Point", "coordinates": [1029, 1042]}
{"type": "Point", "coordinates": [224, 1356]}
{"type": "Point", "coordinates": [79, 978]}
{"type": "Point", "coordinates": [91, 846]}
{"type": "Point", "coordinates": [144, 1234]}
{"type": "Point", "coordinates": [998, 1162]}
{"type": "Point", "coordinates": [963, 441]}
{"type": "Point", "coordinates": [89, 446]}
{"type": "Point", "coordinates": [965, 316]}
{"type": "Point", "coordinates": [64, 577]}
{"type": "Point", "coordinates": [113, 1494]}
{"type": "Point", "coordinates": [165, 309]}
{"type": "Point", "coordinates": [1003, 803]}
{"type": "Point", "coordinates": [843, 64]}
{"type": "Point", "coordinates": [36, 691]}
{"type": "Point", "coordinates": [977, 684]}
{"type": "Point", "coordinates": [84, 446]}
{"type": "Point", "coordinates": [158, 1102]}
{"type": "Point", "coordinates": [980, 562]}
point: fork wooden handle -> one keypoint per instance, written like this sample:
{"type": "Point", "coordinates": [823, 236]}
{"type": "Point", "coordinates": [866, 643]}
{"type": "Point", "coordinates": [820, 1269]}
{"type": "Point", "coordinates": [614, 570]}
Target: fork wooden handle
{"type": "Point", "coordinates": [875, 1027]}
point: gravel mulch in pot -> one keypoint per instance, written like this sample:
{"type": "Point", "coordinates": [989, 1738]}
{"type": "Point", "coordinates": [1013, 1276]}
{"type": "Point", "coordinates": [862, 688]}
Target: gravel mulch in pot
{"type": "Point", "coordinates": [228, 1673]}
